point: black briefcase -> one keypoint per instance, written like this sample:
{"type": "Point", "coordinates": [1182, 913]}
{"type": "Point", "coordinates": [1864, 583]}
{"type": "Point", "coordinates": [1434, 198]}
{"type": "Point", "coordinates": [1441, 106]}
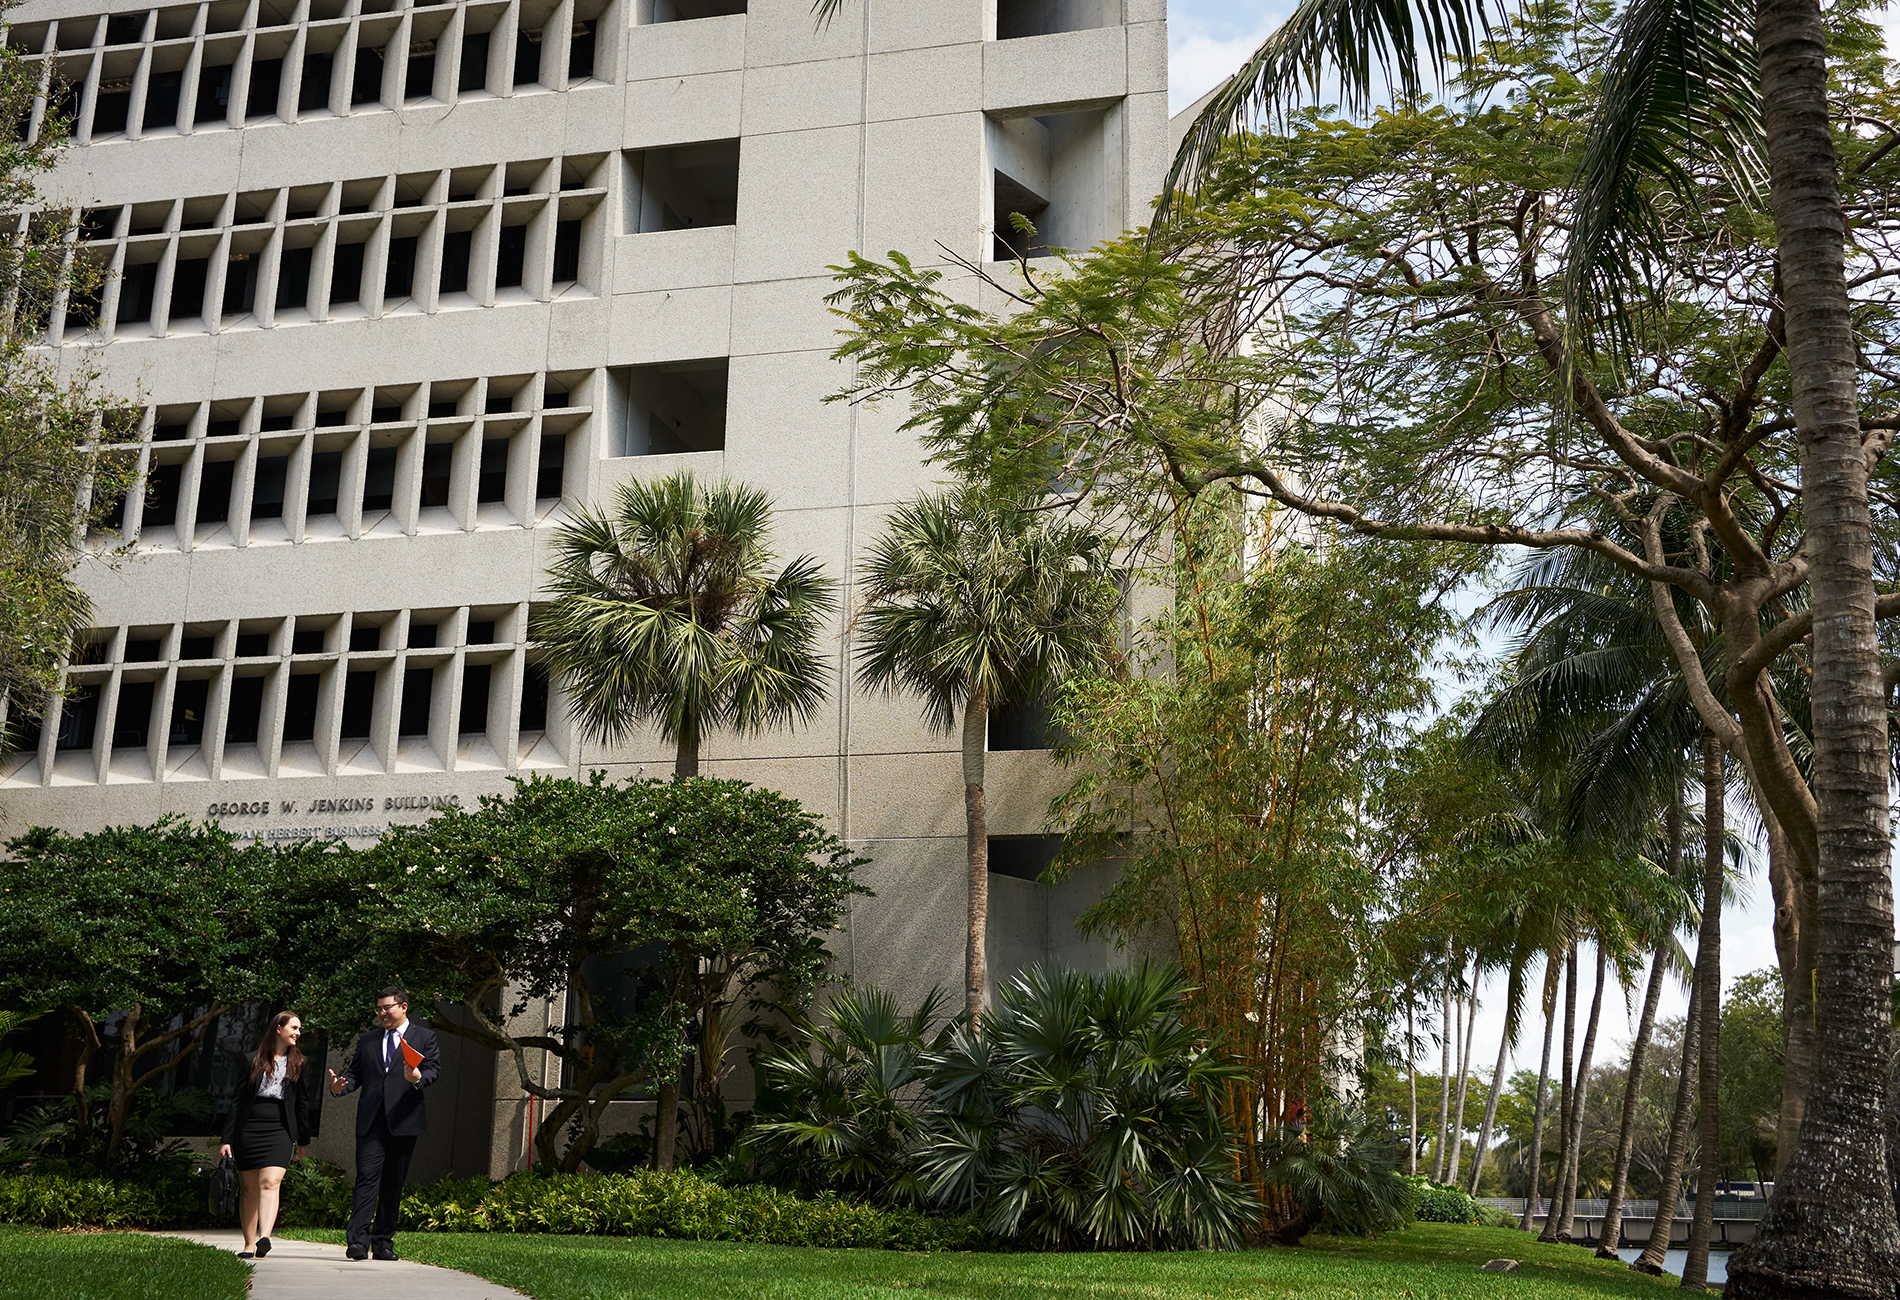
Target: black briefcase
{"type": "Point", "coordinates": [224, 1198]}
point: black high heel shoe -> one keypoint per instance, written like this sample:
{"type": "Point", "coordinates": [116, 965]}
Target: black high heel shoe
{"type": "Point", "coordinates": [263, 1247]}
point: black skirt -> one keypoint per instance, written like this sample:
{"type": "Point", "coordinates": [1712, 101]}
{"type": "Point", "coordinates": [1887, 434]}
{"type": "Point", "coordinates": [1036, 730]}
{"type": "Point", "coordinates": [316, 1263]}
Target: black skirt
{"type": "Point", "coordinates": [263, 1137]}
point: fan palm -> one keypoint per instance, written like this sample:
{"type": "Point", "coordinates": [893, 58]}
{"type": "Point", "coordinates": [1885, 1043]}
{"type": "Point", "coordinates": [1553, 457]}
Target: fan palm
{"type": "Point", "coordinates": [974, 602]}
{"type": "Point", "coordinates": [666, 611]}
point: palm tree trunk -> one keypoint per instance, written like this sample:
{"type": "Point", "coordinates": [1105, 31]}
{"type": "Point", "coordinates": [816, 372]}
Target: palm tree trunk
{"type": "Point", "coordinates": [1446, 1033]}
{"type": "Point", "coordinates": [686, 755]}
{"type": "Point", "coordinates": [1469, 1006]}
{"type": "Point", "coordinates": [1795, 936]}
{"type": "Point", "coordinates": [1411, 1092]}
{"type": "Point", "coordinates": [1831, 1229]}
{"type": "Point", "coordinates": [1573, 1153]}
{"type": "Point", "coordinates": [1564, 1099]}
{"type": "Point", "coordinates": [1612, 1234]}
{"type": "Point", "coordinates": [977, 843]}
{"type": "Point", "coordinates": [1651, 1260]}
{"type": "Point", "coordinates": [1537, 1114]}
{"type": "Point", "coordinates": [1490, 1112]}
{"type": "Point", "coordinates": [1708, 983]}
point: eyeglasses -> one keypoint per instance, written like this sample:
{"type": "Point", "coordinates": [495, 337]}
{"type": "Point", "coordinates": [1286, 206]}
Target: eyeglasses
{"type": "Point", "coordinates": [387, 1006]}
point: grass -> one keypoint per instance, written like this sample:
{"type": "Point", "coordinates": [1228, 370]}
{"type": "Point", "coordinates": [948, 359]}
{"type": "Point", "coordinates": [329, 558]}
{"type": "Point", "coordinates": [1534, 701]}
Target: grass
{"type": "Point", "coordinates": [37, 1265]}
{"type": "Point", "coordinates": [1427, 1262]}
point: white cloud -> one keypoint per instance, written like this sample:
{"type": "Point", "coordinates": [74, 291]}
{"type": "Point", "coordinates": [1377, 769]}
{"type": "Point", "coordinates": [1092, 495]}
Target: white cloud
{"type": "Point", "coordinates": [1203, 50]}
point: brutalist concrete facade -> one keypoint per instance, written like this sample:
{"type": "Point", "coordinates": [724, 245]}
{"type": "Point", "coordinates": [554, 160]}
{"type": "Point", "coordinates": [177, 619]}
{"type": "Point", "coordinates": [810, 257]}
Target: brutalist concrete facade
{"type": "Point", "coordinates": [398, 284]}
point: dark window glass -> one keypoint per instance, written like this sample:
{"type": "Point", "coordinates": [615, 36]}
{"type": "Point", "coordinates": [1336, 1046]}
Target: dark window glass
{"type": "Point", "coordinates": [567, 251]}
{"type": "Point", "coordinates": [580, 53]}
{"type": "Point", "coordinates": [455, 250]}
{"type": "Point", "coordinates": [170, 432]}
{"type": "Point", "coordinates": [346, 274]}
{"type": "Point", "coordinates": [22, 735]}
{"type": "Point", "coordinates": [492, 482]}
{"type": "Point", "coordinates": [366, 82]}
{"type": "Point", "coordinates": [527, 59]}
{"type": "Point", "coordinates": [481, 632]}
{"type": "Point", "coordinates": [109, 110]}
{"type": "Point", "coordinates": [267, 492]}
{"type": "Point", "coordinates": [78, 718]}
{"type": "Point", "coordinates": [511, 257]}
{"type": "Point", "coordinates": [365, 636]}
{"type": "Point", "coordinates": [161, 495]}
{"type": "Point", "coordinates": [400, 278]}
{"type": "Point", "coordinates": [442, 410]}
{"type": "Point", "coordinates": [326, 477]}
{"type": "Point", "coordinates": [246, 711]}
{"type": "Point", "coordinates": [497, 404]}
{"type": "Point", "coordinates": [293, 278]}
{"type": "Point", "coordinates": [474, 719]}
{"type": "Point", "coordinates": [553, 399]}
{"type": "Point", "coordinates": [195, 647]}
{"type": "Point", "coordinates": [550, 474]}
{"type": "Point", "coordinates": [1023, 726]}
{"type": "Point", "coordinates": [136, 287]}
{"type": "Point", "coordinates": [142, 651]}
{"type": "Point", "coordinates": [274, 423]}
{"type": "Point", "coordinates": [240, 284]}
{"type": "Point", "coordinates": [437, 458]}
{"type": "Point", "coordinates": [267, 76]}
{"type": "Point", "coordinates": [307, 641]}
{"type": "Point", "coordinates": [188, 287]}
{"type": "Point", "coordinates": [132, 723]}
{"type": "Point", "coordinates": [125, 29]}
{"type": "Point", "coordinates": [420, 82]}
{"type": "Point", "coordinates": [1025, 857]}
{"type": "Point", "coordinates": [300, 705]}
{"type": "Point", "coordinates": [418, 684]}
{"type": "Point", "coordinates": [313, 94]}
{"type": "Point", "coordinates": [534, 698]}
{"type": "Point", "coordinates": [161, 99]}
{"type": "Point", "coordinates": [214, 491]}
{"type": "Point", "coordinates": [422, 636]}
{"type": "Point", "coordinates": [223, 429]}
{"type": "Point", "coordinates": [474, 69]}
{"type": "Point", "coordinates": [379, 479]}
{"type": "Point", "coordinates": [252, 644]}
{"type": "Point", "coordinates": [188, 711]}
{"type": "Point", "coordinates": [333, 419]}
{"type": "Point", "coordinates": [359, 703]}
{"type": "Point", "coordinates": [113, 518]}
{"type": "Point", "coordinates": [214, 95]}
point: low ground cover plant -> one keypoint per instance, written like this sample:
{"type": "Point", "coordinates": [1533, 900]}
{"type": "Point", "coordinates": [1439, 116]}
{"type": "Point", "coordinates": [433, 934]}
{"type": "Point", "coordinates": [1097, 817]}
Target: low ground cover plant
{"type": "Point", "coordinates": [40, 1265]}
{"type": "Point", "coordinates": [1440, 1203]}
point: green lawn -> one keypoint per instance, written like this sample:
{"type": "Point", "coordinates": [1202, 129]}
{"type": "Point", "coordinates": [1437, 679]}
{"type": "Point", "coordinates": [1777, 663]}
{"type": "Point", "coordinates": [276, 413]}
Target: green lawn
{"type": "Point", "coordinates": [115, 1266]}
{"type": "Point", "coordinates": [1427, 1262]}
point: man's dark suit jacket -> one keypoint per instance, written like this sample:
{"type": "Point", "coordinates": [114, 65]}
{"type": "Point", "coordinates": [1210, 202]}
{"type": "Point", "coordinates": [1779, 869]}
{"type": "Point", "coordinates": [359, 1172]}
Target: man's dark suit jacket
{"type": "Point", "coordinates": [399, 1100]}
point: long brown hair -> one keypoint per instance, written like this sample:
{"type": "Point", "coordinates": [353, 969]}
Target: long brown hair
{"type": "Point", "coordinates": [267, 1049]}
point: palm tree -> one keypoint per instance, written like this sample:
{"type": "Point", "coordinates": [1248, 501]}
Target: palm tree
{"type": "Point", "coordinates": [1720, 84]}
{"type": "Point", "coordinates": [974, 602]}
{"type": "Point", "coordinates": [666, 611]}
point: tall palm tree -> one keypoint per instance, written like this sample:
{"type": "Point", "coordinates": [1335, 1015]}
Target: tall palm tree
{"type": "Point", "coordinates": [1696, 84]}
{"type": "Point", "coordinates": [973, 602]}
{"type": "Point", "coordinates": [666, 610]}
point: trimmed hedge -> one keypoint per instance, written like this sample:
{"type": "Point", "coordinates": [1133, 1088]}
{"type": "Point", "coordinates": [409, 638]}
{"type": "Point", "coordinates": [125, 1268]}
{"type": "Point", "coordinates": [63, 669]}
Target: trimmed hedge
{"type": "Point", "coordinates": [1440, 1203]}
{"type": "Point", "coordinates": [638, 1204]}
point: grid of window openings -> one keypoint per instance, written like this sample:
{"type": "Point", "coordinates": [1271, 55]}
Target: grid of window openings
{"type": "Point", "coordinates": [411, 690]}
{"type": "Point", "coordinates": [229, 64]}
{"type": "Point", "coordinates": [420, 242]}
{"type": "Point", "coordinates": [445, 456]}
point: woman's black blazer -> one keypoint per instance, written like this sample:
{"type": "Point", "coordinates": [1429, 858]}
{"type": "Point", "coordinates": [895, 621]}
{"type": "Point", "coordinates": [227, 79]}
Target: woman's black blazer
{"type": "Point", "coordinates": [302, 1100]}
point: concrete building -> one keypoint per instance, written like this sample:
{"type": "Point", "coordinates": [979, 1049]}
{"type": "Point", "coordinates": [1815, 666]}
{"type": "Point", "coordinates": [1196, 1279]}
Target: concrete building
{"type": "Point", "coordinates": [396, 284]}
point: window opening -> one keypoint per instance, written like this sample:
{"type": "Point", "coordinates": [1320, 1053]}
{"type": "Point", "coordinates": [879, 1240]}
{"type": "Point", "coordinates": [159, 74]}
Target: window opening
{"type": "Point", "coordinates": [307, 641]}
{"type": "Point", "coordinates": [456, 246]}
{"type": "Point", "coordinates": [674, 408]}
{"type": "Point", "coordinates": [379, 479]}
{"type": "Point", "coordinates": [359, 702]}
{"type": "Point", "coordinates": [78, 719]}
{"type": "Point", "coordinates": [481, 631]}
{"type": "Point", "coordinates": [111, 106]}
{"type": "Point", "coordinates": [188, 287]}
{"type": "Point", "coordinates": [300, 703]}
{"type": "Point", "coordinates": [492, 481]}
{"type": "Point", "coordinates": [473, 74]}
{"type": "Point", "coordinates": [267, 495]}
{"type": "Point", "coordinates": [437, 459]}
{"type": "Point", "coordinates": [422, 636]}
{"type": "Point", "coordinates": [245, 711]}
{"type": "Point", "coordinates": [1020, 18]}
{"type": "Point", "coordinates": [365, 636]}
{"type": "Point", "coordinates": [366, 80]}
{"type": "Point", "coordinates": [188, 710]}
{"type": "Point", "coordinates": [326, 478]}
{"type": "Point", "coordinates": [195, 647]}
{"type": "Point", "coordinates": [420, 79]}
{"type": "Point", "coordinates": [240, 284]}
{"type": "Point", "coordinates": [567, 251]}
{"type": "Point", "coordinates": [684, 186]}
{"type": "Point", "coordinates": [580, 52]}
{"type": "Point", "coordinates": [400, 277]}
{"type": "Point", "coordinates": [267, 78]}
{"type": "Point", "coordinates": [142, 650]}
{"type": "Point", "coordinates": [511, 257]}
{"type": "Point", "coordinates": [474, 719]}
{"type": "Point", "coordinates": [161, 99]}
{"type": "Point", "coordinates": [550, 474]}
{"type": "Point", "coordinates": [346, 273]}
{"type": "Point", "coordinates": [125, 29]}
{"type": "Point", "coordinates": [527, 58]}
{"type": "Point", "coordinates": [136, 287]}
{"type": "Point", "coordinates": [1025, 857]}
{"type": "Point", "coordinates": [161, 494]}
{"type": "Point", "coordinates": [132, 723]}
{"type": "Point", "coordinates": [418, 684]}
{"type": "Point", "coordinates": [534, 698]}
{"type": "Point", "coordinates": [214, 95]}
{"type": "Point", "coordinates": [252, 644]}
{"type": "Point", "coordinates": [214, 491]}
{"type": "Point", "coordinates": [293, 277]}
{"type": "Point", "coordinates": [313, 94]}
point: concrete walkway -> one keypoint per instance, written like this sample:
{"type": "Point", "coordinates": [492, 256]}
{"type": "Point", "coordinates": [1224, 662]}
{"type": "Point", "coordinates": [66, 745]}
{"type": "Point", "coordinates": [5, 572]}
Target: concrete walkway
{"type": "Point", "coordinates": [309, 1270]}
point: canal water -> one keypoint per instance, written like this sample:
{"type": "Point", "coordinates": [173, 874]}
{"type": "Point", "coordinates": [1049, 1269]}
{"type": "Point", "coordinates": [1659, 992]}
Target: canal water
{"type": "Point", "coordinates": [1673, 1261]}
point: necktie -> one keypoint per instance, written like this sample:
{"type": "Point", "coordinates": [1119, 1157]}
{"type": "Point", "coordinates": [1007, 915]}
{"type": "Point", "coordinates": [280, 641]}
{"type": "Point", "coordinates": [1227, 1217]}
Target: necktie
{"type": "Point", "coordinates": [389, 1047]}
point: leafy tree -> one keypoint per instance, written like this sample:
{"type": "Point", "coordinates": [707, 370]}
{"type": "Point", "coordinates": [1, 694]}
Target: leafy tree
{"type": "Point", "coordinates": [666, 611]}
{"type": "Point", "coordinates": [142, 936]}
{"type": "Point", "coordinates": [1751, 1048]}
{"type": "Point", "coordinates": [690, 895]}
{"type": "Point", "coordinates": [973, 602]}
{"type": "Point", "coordinates": [65, 462]}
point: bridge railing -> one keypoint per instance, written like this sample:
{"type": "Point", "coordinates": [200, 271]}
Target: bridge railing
{"type": "Point", "coordinates": [1596, 1209]}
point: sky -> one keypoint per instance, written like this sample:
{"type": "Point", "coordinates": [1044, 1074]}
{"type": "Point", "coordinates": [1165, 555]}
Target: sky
{"type": "Point", "coordinates": [1207, 40]}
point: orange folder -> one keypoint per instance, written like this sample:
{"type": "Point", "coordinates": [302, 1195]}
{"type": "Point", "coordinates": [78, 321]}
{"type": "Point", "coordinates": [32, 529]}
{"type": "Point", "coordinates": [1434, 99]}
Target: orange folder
{"type": "Point", "coordinates": [410, 1054]}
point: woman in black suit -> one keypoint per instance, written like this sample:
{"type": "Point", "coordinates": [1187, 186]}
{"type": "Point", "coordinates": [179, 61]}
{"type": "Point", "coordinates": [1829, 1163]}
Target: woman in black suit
{"type": "Point", "coordinates": [273, 1118]}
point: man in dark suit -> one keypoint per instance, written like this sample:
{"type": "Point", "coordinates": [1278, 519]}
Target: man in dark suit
{"type": "Point", "coordinates": [390, 1116]}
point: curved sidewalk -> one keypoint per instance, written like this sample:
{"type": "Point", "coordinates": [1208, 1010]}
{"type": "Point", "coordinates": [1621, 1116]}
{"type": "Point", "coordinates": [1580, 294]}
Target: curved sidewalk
{"type": "Point", "coordinates": [310, 1270]}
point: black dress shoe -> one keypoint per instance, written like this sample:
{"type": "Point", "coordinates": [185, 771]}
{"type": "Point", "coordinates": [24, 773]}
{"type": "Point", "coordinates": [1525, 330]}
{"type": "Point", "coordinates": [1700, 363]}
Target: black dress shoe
{"type": "Point", "coordinates": [358, 1252]}
{"type": "Point", "coordinates": [386, 1254]}
{"type": "Point", "coordinates": [245, 1254]}
{"type": "Point", "coordinates": [263, 1247]}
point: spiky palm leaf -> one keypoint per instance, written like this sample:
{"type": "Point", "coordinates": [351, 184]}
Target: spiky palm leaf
{"type": "Point", "coordinates": [666, 610]}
